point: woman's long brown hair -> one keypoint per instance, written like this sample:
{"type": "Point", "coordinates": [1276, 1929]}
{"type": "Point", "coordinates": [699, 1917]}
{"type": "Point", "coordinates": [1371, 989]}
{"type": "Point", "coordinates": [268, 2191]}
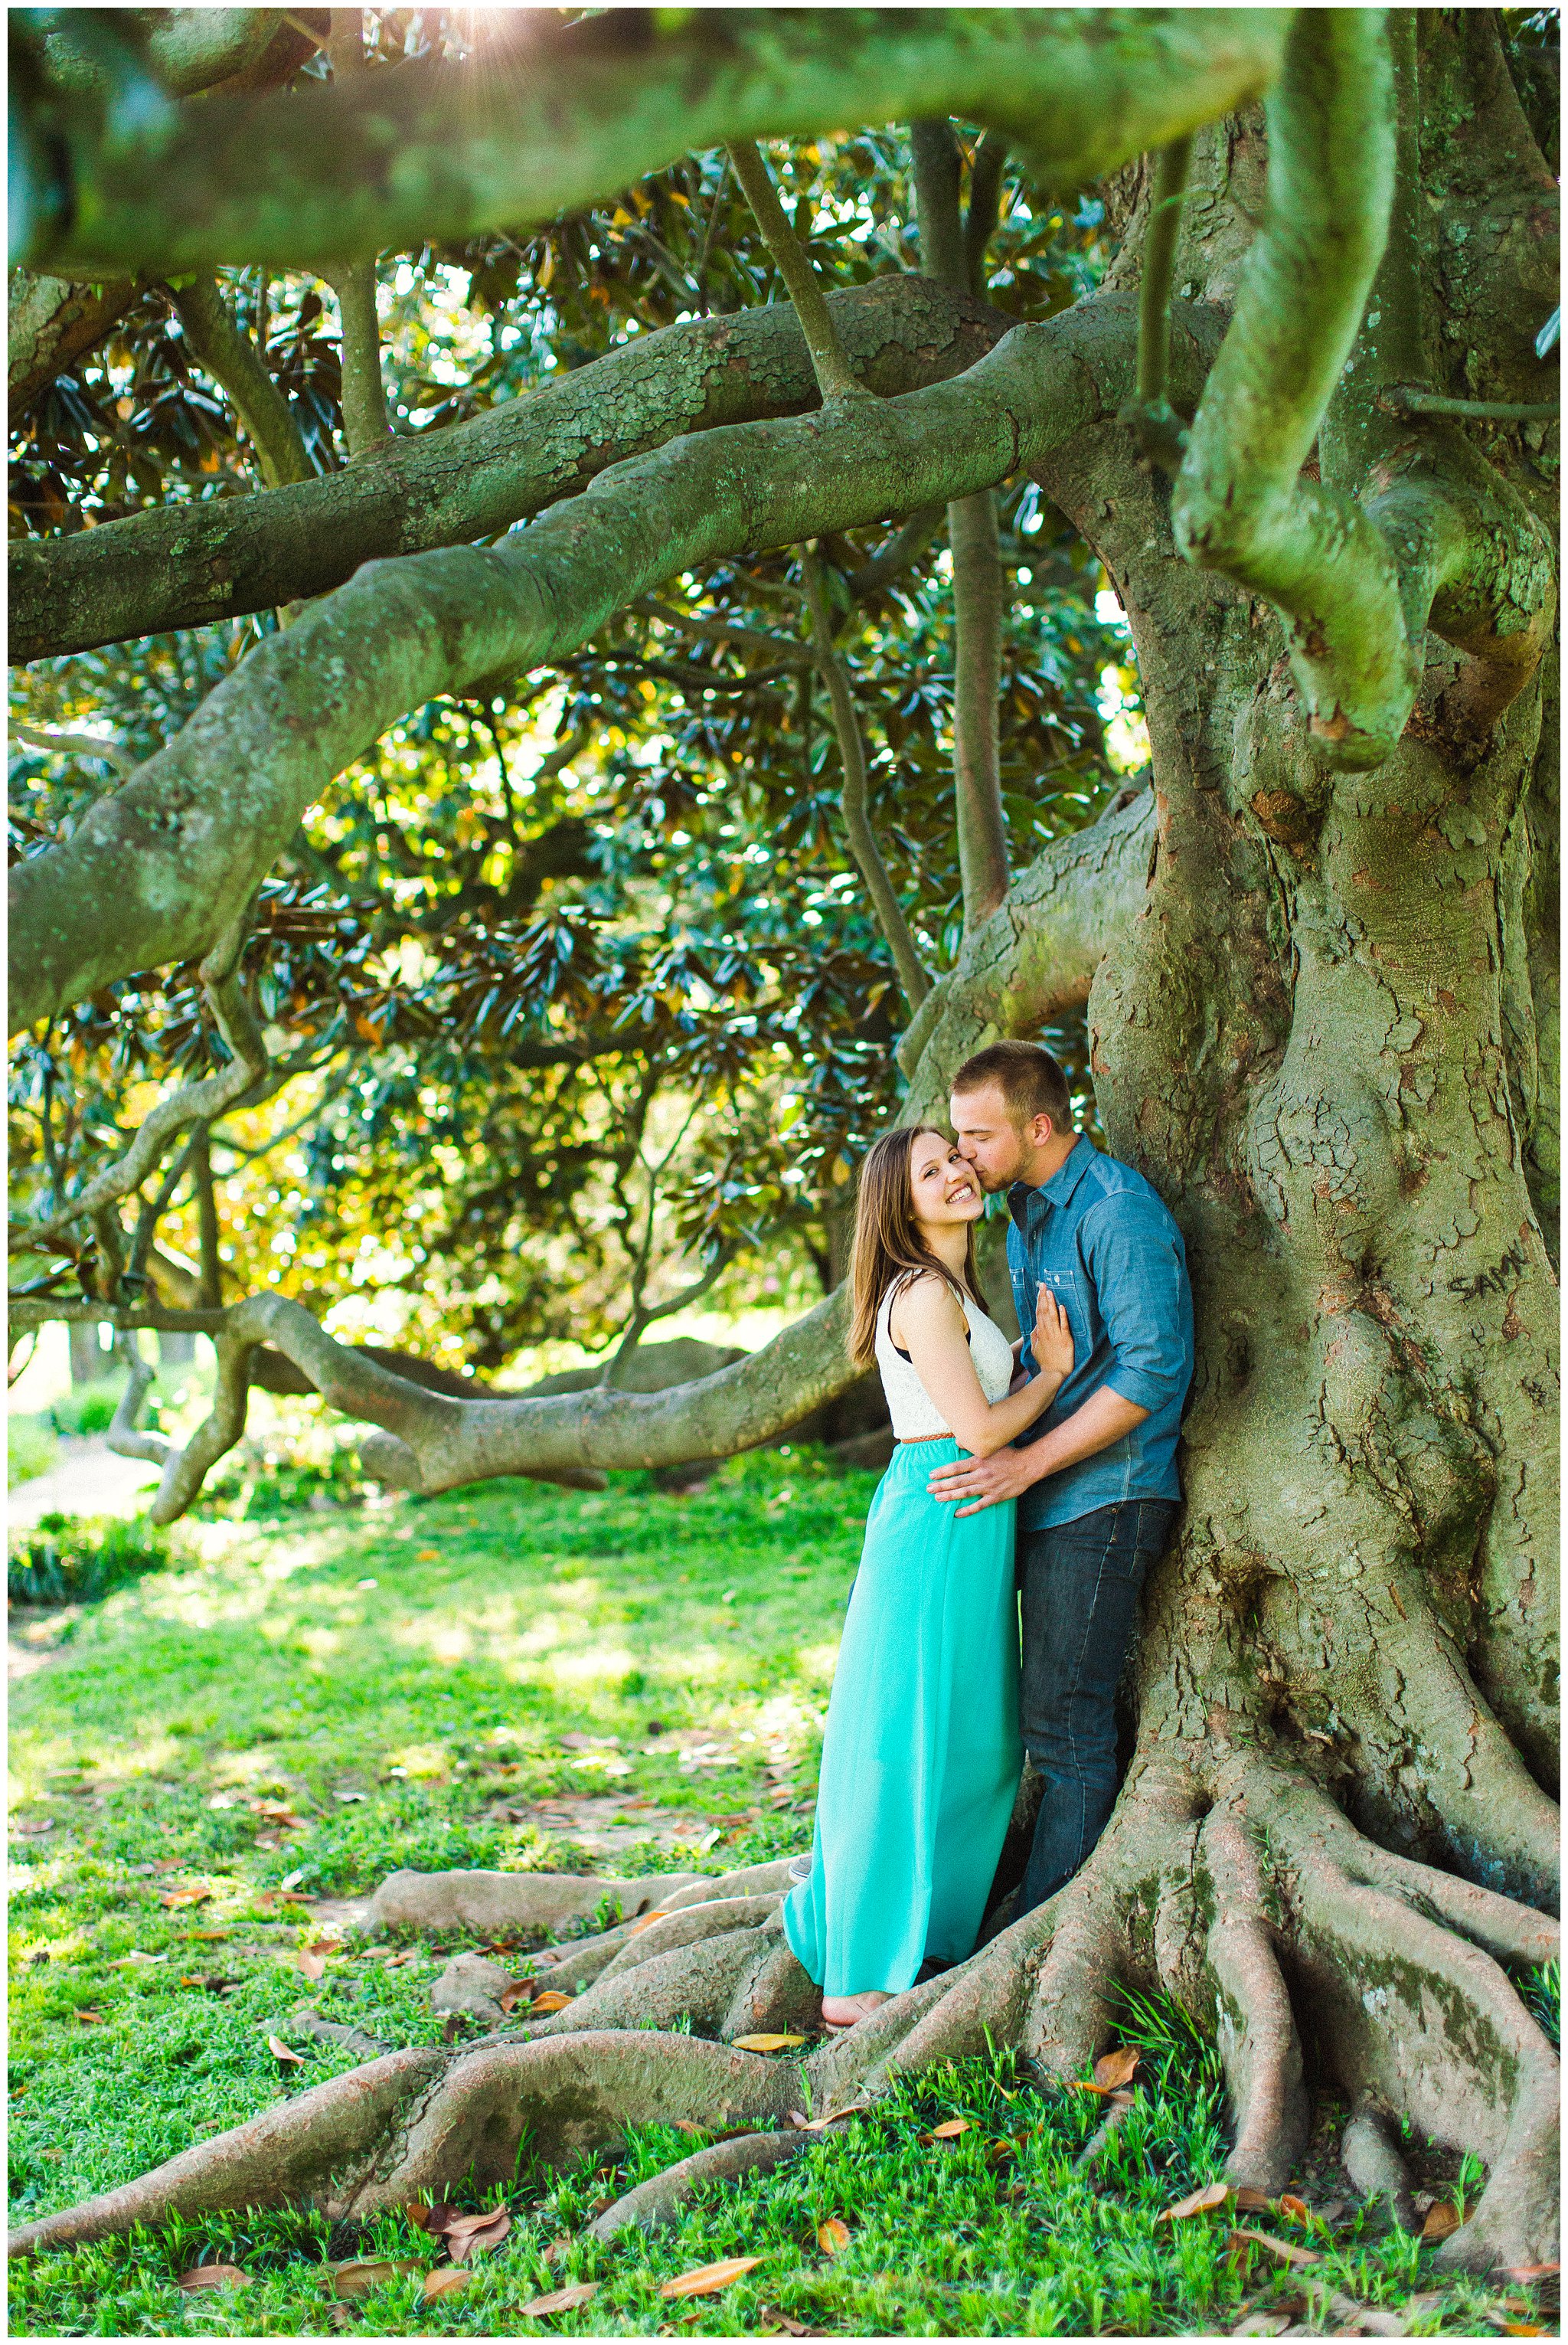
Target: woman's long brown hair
{"type": "Point", "coordinates": [888, 1247]}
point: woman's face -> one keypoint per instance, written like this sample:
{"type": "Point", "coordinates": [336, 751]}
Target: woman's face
{"type": "Point", "coordinates": [944, 1188]}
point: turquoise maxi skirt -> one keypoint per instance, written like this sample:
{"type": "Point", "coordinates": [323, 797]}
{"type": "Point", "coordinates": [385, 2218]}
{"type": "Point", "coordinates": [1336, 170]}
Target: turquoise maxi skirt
{"type": "Point", "coordinates": [921, 1760]}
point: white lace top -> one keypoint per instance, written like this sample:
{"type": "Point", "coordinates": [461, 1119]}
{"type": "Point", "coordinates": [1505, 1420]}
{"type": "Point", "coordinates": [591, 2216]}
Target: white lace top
{"type": "Point", "coordinates": [914, 1414]}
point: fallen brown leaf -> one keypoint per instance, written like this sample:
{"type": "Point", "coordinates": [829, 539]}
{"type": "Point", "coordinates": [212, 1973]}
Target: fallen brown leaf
{"type": "Point", "coordinates": [433, 2219]}
{"type": "Point", "coordinates": [209, 1937]}
{"type": "Point", "coordinates": [312, 1965]}
{"type": "Point", "coordinates": [803, 2123]}
{"type": "Point", "coordinates": [362, 2279]}
{"type": "Point", "coordinates": [1252, 2202]}
{"type": "Point", "coordinates": [448, 2279]}
{"type": "Point", "coordinates": [1116, 2068]}
{"type": "Point", "coordinates": [833, 2236]}
{"type": "Point", "coordinates": [518, 1990]}
{"type": "Point", "coordinates": [779, 2324]}
{"type": "Point", "coordinates": [947, 2132]}
{"type": "Point", "coordinates": [90, 2018]}
{"type": "Point", "coordinates": [551, 2000]}
{"type": "Point", "coordinates": [1297, 2209]}
{"type": "Point", "coordinates": [646, 1921]}
{"type": "Point", "coordinates": [1442, 2222]}
{"type": "Point", "coordinates": [708, 2279]}
{"type": "Point", "coordinates": [183, 1896]}
{"type": "Point", "coordinates": [213, 2275]}
{"type": "Point", "coordinates": [1527, 2272]}
{"type": "Point", "coordinates": [1286, 2249]}
{"type": "Point", "coordinates": [766, 2043]}
{"type": "Point", "coordinates": [561, 2299]}
{"type": "Point", "coordinates": [475, 2235]}
{"type": "Point", "coordinates": [1518, 2328]}
{"type": "Point", "coordinates": [280, 2051]}
{"type": "Point", "coordinates": [1213, 2194]}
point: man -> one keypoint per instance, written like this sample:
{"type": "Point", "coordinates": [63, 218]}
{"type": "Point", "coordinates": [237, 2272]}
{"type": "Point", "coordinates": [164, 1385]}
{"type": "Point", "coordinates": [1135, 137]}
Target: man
{"type": "Point", "coordinates": [1095, 1479]}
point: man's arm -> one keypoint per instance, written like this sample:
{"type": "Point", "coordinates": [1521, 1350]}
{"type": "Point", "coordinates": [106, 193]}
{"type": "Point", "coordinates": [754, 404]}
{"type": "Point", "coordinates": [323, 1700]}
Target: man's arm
{"type": "Point", "coordinates": [1104, 1417]}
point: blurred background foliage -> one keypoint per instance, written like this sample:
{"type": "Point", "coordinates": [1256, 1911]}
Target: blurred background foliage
{"type": "Point", "coordinates": [584, 1002]}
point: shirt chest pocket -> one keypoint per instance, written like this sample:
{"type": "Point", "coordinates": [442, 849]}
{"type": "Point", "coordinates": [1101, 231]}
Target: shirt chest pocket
{"type": "Point", "coordinates": [1070, 1289]}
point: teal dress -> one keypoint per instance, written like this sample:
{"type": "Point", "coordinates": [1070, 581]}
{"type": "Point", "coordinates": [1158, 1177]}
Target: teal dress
{"type": "Point", "coordinates": [921, 1758]}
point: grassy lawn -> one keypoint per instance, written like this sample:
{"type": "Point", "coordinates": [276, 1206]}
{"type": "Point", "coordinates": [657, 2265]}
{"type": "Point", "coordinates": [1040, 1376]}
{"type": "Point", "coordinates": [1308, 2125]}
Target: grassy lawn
{"type": "Point", "coordinates": [524, 1677]}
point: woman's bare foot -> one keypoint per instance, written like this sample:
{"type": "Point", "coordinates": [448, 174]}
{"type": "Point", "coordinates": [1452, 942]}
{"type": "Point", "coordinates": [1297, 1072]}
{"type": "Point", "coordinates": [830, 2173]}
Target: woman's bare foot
{"type": "Point", "coordinates": [844, 2010]}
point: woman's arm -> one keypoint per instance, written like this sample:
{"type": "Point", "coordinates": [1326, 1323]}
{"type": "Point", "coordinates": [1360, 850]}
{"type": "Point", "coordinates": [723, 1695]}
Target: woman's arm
{"type": "Point", "coordinates": [928, 1322]}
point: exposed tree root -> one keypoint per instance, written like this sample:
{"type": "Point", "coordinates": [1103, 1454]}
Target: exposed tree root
{"type": "Point", "coordinates": [661, 2199]}
{"type": "Point", "coordinates": [1268, 1911]}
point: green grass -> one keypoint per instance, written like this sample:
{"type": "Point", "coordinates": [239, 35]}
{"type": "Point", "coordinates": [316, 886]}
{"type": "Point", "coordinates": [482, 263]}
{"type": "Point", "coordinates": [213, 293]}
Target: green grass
{"type": "Point", "coordinates": [260, 1666]}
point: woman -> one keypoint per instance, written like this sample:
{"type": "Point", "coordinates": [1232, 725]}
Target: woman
{"type": "Point", "coordinates": [921, 1758]}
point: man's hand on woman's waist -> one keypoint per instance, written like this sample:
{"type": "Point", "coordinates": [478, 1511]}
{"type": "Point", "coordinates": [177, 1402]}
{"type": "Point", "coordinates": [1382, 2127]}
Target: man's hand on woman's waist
{"type": "Point", "coordinates": [1006, 1474]}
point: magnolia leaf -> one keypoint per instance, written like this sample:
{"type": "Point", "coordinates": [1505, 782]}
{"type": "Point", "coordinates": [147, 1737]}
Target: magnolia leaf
{"type": "Point", "coordinates": [646, 1921]}
{"type": "Point", "coordinates": [312, 1965]}
{"type": "Point", "coordinates": [1213, 2194]}
{"type": "Point", "coordinates": [280, 2051]}
{"type": "Point", "coordinates": [561, 2299]}
{"type": "Point", "coordinates": [709, 2279]}
{"type": "Point", "coordinates": [1441, 2222]}
{"type": "Point", "coordinates": [766, 2043]}
{"type": "Point", "coordinates": [213, 2275]}
{"type": "Point", "coordinates": [551, 2000]}
{"type": "Point", "coordinates": [363, 2278]}
{"type": "Point", "coordinates": [1286, 2249]}
{"type": "Point", "coordinates": [1297, 2209]}
{"type": "Point", "coordinates": [448, 2279]}
{"type": "Point", "coordinates": [475, 2235]}
{"type": "Point", "coordinates": [833, 2236]}
{"type": "Point", "coordinates": [947, 2132]}
{"type": "Point", "coordinates": [1117, 2069]}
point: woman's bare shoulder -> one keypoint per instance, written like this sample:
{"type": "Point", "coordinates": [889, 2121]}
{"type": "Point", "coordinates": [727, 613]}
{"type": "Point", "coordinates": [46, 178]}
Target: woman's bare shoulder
{"type": "Point", "coordinates": [927, 1303]}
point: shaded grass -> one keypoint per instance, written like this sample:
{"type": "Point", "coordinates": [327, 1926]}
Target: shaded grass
{"type": "Point", "coordinates": [260, 1667]}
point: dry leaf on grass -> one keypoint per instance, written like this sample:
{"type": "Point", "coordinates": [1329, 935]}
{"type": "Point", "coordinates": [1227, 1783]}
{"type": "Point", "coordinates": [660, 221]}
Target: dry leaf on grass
{"type": "Point", "coordinates": [949, 2132]}
{"type": "Point", "coordinates": [551, 2000]}
{"type": "Point", "coordinates": [833, 2236]}
{"type": "Point", "coordinates": [1117, 2069]}
{"type": "Point", "coordinates": [1295, 2208]}
{"type": "Point", "coordinates": [433, 2219]}
{"type": "Point", "coordinates": [708, 2279]}
{"type": "Point", "coordinates": [1252, 2202]}
{"type": "Point", "coordinates": [90, 2018]}
{"type": "Point", "coordinates": [312, 1965]}
{"type": "Point", "coordinates": [803, 2123]}
{"type": "Point", "coordinates": [1286, 2249]}
{"type": "Point", "coordinates": [561, 2299]}
{"type": "Point", "coordinates": [516, 1991]}
{"type": "Point", "coordinates": [475, 2235]}
{"type": "Point", "coordinates": [184, 1896]}
{"type": "Point", "coordinates": [1441, 2222]}
{"type": "Point", "coordinates": [447, 2280]}
{"type": "Point", "coordinates": [1529, 2272]}
{"type": "Point", "coordinates": [774, 2323]}
{"type": "Point", "coordinates": [362, 2279]}
{"type": "Point", "coordinates": [1213, 2194]}
{"type": "Point", "coordinates": [213, 2275]}
{"type": "Point", "coordinates": [280, 2051]}
{"type": "Point", "coordinates": [766, 2043]}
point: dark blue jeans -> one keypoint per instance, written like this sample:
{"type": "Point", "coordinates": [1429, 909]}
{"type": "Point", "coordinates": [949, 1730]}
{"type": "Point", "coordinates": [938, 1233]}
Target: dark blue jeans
{"type": "Point", "coordinates": [1080, 1588]}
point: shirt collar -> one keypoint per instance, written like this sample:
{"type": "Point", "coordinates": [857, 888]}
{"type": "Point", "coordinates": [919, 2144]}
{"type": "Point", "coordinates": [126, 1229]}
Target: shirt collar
{"type": "Point", "coordinates": [1058, 1188]}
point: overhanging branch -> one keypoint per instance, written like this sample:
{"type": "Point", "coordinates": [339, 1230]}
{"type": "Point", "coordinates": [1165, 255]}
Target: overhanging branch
{"type": "Point", "coordinates": [183, 565]}
{"type": "Point", "coordinates": [540, 125]}
{"type": "Point", "coordinates": [154, 872]}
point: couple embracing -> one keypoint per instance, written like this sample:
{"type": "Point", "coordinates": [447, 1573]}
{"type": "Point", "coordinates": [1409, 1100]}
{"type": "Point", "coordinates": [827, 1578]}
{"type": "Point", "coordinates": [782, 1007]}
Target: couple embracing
{"type": "Point", "coordinates": [1047, 1467]}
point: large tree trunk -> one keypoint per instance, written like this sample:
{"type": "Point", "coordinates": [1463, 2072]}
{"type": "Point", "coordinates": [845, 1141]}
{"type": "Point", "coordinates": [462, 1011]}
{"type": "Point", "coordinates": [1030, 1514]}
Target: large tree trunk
{"type": "Point", "coordinates": [1322, 1026]}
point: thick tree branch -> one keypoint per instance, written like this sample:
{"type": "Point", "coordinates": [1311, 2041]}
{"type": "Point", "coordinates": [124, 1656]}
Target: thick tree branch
{"type": "Point", "coordinates": [228, 354]}
{"type": "Point", "coordinates": [50, 324]}
{"type": "Point", "coordinates": [364, 394]}
{"type": "Point", "coordinates": [830, 362]}
{"type": "Point", "coordinates": [896, 555]}
{"type": "Point", "coordinates": [183, 565]}
{"type": "Point", "coordinates": [1441, 540]}
{"type": "Point", "coordinates": [1160, 432]}
{"type": "Point", "coordinates": [151, 874]}
{"type": "Point", "coordinates": [548, 127]}
{"type": "Point", "coordinates": [863, 839]}
{"type": "Point", "coordinates": [978, 580]}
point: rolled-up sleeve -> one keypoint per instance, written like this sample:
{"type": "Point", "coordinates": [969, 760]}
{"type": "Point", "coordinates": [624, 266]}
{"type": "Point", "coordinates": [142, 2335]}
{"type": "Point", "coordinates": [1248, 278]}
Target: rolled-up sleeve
{"type": "Point", "coordinates": [1140, 1274]}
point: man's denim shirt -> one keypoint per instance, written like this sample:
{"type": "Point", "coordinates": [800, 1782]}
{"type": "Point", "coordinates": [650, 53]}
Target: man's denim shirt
{"type": "Point", "coordinates": [1101, 1239]}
